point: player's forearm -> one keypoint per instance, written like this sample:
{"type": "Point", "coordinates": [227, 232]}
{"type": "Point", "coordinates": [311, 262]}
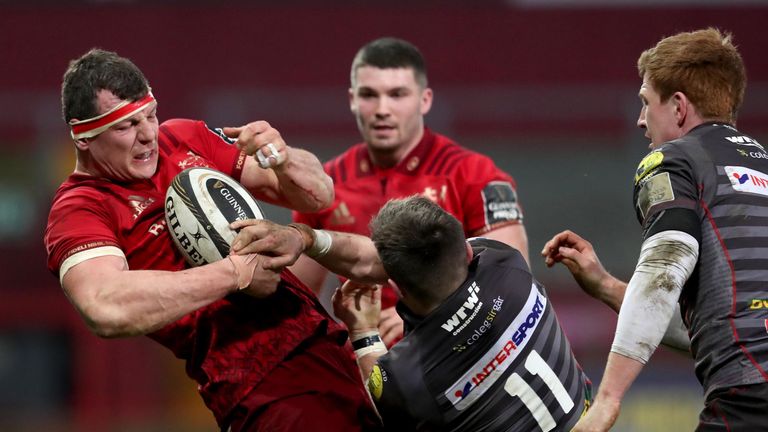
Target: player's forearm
{"type": "Point", "coordinates": [612, 292]}
{"type": "Point", "coordinates": [129, 303]}
{"type": "Point", "coordinates": [303, 184]}
{"type": "Point", "coordinates": [620, 373]}
{"type": "Point", "coordinates": [355, 257]}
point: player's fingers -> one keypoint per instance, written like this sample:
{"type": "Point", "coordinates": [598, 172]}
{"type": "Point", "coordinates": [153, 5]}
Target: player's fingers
{"type": "Point", "coordinates": [254, 245]}
{"type": "Point", "coordinates": [276, 262]}
{"type": "Point", "coordinates": [232, 132]}
{"type": "Point", "coordinates": [351, 287]}
{"type": "Point", "coordinates": [570, 253]}
{"type": "Point", "coordinates": [554, 243]}
{"type": "Point", "coordinates": [552, 259]}
{"type": "Point", "coordinates": [245, 239]}
{"type": "Point", "coordinates": [238, 224]}
{"type": "Point", "coordinates": [375, 294]}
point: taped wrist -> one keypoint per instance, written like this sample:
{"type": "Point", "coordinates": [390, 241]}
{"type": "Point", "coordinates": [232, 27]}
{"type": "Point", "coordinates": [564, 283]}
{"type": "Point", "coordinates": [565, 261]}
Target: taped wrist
{"type": "Point", "coordinates": [317, 243]}
{"type": "Point", "coordinates": [366, 343]}
{"type": "Point", "coordinates": [321, 245]}
{"type": "Point", "coordinates": [244, 266]}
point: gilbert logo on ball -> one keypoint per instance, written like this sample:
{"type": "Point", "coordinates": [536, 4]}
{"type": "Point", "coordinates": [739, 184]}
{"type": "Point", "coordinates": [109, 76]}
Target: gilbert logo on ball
{"type": "Point", "coordinates": [199, 206]}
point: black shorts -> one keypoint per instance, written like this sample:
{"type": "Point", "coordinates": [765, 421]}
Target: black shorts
{"type": "Point", "coordinates": [735, 409]}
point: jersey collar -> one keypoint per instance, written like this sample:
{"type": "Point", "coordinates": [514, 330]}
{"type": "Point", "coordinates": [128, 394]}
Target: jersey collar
{"type": "Point", "coordinates": [408, 165]}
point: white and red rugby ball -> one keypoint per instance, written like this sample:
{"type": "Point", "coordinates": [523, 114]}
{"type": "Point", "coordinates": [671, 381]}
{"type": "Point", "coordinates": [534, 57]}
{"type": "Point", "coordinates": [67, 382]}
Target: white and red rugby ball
{"type": "Point", "coordinates": [199, 206]}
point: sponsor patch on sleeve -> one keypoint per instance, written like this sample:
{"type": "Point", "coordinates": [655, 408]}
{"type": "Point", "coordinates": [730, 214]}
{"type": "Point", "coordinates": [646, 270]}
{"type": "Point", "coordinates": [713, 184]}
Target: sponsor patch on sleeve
{"type": "Point", "coordinates": [648, 164]}
{"type": "Point", "coordinates": [655, 190]}
{"type": "Point", "coordinates": [500, 202]}
{"type": "Point", "coordinates": [376, 382]}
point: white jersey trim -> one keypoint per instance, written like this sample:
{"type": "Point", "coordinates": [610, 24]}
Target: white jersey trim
{"type": "Point", "coordinates": [85, 255]}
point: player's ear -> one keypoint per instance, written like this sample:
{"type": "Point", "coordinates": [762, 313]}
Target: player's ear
{"type": "Point", "coordinates": [426, 100]}
{"type": "Point", "coordinates": [470, 254]}
{"type": "Point", "coordinates": [351, 96]}
{"type": "Point", "coordinates": [82, 144]}
{"type": "Point", "coordinates": [395, 288]}
{"type": "Point", "coordinates": [682, 105]}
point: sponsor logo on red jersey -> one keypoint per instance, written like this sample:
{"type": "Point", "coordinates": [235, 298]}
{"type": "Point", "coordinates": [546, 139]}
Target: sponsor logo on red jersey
{"type": "Point", "coordinates": [139, 204]}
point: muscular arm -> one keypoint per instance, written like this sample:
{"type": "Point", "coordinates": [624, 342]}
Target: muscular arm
{"type": "Point", "coordinates": [666, 261]}
{"type": "Point", "coordinates": [355, 257]}
{"type": "Point", "coordinates": [350, 255]}
{"type": "Point", "coordinates": [117, 302]}
{"type": "Point", "coordinates": [578, 255]}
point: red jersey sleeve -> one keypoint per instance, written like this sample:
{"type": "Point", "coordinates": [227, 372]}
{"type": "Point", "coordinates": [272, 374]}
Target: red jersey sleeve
{"type": "Point", "coordinates": [208, 142]}
{"type": "Point", "coordinates": [77, 223]}
{"type": "Point", "coordinates": [488, 195]}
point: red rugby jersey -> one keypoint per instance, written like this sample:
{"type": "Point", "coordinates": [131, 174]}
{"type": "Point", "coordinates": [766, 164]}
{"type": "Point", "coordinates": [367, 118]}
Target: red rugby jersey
{"type": "Point", "coordinates": [228, 345]}
{"type": "Point", "coordinates": [465, 183]}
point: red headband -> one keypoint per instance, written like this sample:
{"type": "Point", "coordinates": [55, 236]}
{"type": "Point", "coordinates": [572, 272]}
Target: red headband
{"type": "Point", "coordinates": [91, 127]}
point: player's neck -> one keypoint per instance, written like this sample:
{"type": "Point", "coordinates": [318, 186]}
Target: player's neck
{"type": "Point", "coordinates": [388, 158]}
{"type": "Point", "coordinates": [81, 168]}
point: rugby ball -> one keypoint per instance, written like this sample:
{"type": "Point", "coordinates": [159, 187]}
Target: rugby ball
{"type": "Point", "coordinates": [199, 206]}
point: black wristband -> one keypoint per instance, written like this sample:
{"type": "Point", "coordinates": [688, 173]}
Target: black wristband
{"type": "Point", "coordinates": [365, 342]}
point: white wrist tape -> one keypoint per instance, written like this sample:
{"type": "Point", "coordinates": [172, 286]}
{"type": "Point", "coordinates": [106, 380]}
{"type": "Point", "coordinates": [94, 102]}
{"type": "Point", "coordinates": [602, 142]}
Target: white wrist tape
{"type": "Point", "coordinates": [367, 343]}
{"type": "Point", "coordinates": [322, 244]}
{"type": "Point", "coordinates": [377, 347]}
{"type": "Point", "coordinates": [667, 260]}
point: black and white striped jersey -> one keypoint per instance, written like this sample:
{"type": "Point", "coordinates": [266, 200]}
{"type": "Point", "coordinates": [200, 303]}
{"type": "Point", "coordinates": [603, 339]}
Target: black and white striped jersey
{"type": "Point", "coordinates": [719, 178]}
{"type": "Point", "coordinates": [492, 357]}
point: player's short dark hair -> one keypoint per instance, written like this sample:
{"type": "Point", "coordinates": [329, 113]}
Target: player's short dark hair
{"type": "Point", "coordinates": [422, 247]}
{"type": "Point", "coordinates": [391, 53]}
{"type": "Point", "coordinates": [99, 70]}
{"type": "Point", "coordinates": [705, 65]}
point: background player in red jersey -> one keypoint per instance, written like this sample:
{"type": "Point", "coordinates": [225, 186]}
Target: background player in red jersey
{"type": "Point", "coordinates": [265, 354]}
{"type": "Point", "coordinates": [389, 97]}
{"type": "Point", "coordinates": [701, 197]}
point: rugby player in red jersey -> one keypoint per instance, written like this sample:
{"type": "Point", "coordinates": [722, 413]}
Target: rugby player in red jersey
{"type": "Point", "coordinates": [265, 354]}
{"type": "Point", "coordinates": [389, 97]}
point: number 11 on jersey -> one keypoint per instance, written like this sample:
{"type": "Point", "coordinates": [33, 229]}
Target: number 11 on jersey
{"type": "Point", "coordinates": [517, 387]}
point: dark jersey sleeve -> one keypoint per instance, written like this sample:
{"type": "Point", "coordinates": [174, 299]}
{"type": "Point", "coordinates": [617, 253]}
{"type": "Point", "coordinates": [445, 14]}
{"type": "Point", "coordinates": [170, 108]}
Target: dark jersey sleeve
{"type": "Point", "coordinates": [666, 192]}
{"type": "Point", "coordinates": [389, 400]}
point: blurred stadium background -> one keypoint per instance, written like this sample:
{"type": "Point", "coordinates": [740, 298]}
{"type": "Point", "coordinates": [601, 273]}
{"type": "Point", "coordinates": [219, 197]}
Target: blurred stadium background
{"type": "Point", "coordinates": [546, 87]}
